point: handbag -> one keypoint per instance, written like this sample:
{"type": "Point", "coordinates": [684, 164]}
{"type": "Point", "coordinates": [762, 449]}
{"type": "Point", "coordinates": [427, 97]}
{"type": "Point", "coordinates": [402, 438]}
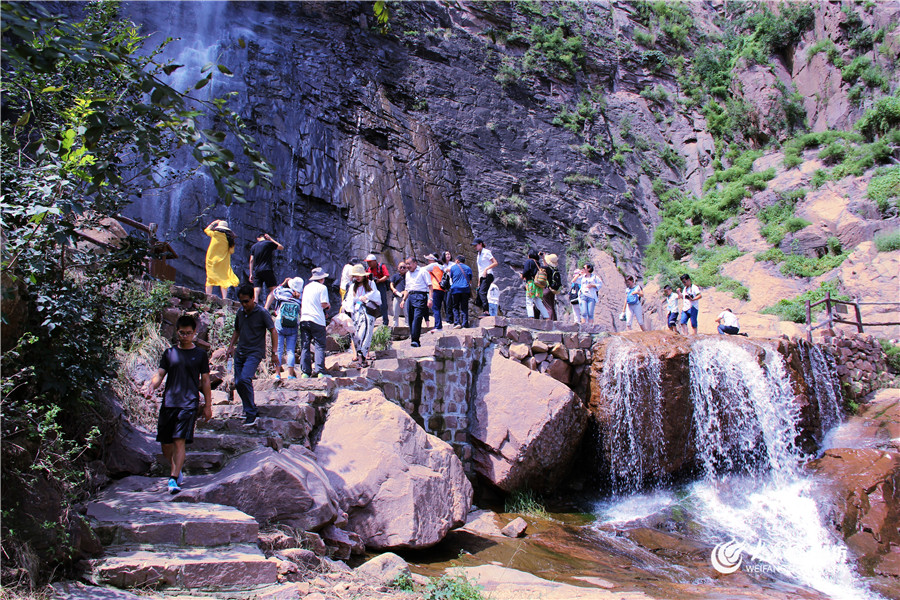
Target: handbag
{"type": "Point", "coordinates": [446, 281]}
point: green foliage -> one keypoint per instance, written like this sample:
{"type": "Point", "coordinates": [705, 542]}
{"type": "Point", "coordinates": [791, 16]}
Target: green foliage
{"type": "Point", "coordinates": [884, 117]}
{"type": "Point", "coordinates": [553, 53]}
{"type": "Point", "coordinates": [672, 157]}
{"type": "Point", "coordinates": [403, 582]}
{"type": "Point", "coordinates": [772, 33]}
{"type": "Point", "coordinates": [656, 94]}
{"type": "Point", "coordinates": [834, 245]}
{"type": "Point", "coordinates": [884, 189]}
{"type": "Point", "coordinates": [778, 218]}
{"type": "Point", "coordinates": [654, 60]}
{"type": "Point", "coordinates": [791, 105]}
{"type": "Point", "coordinates": [820, 176]}
{"type": "Point", "coordinates": [794, 309]}
{"type": "Point", "coordinates": [674, 20]}
{"type": "Point", "coordinates": [712, 66]}
{"type": "Point", "coordinates": [576, 120]}
{"type": "Point", "coordinates": [381, 338]}
{"type": "Point", "coordinates": [795, 265]}
{"type": "Point", "coordinates": [526, 502]}
{"type": "Point", "coordinates": [863, 68]}
{"type": "Point", "coordinates": [891, 355]}
{"type": "Point", "coordinates": [888, 242]}
{"type": "Point", "coordinates": [342, 341]}
{"type": "Point", "coordinates": [578, 247]}
{"type": "Point", "coordinates": [507, 73]}
{"type": "Point", "coordinates": [452, 588]}
{"type": "Point", "coordinates": [579, 179]}
{"type": "Point", "coordinates": [648, 40]}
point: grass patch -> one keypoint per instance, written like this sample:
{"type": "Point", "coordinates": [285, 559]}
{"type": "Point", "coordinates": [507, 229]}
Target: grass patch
{"type": "Point", "coordinates": [579, 179]}
{"type": "Point", "coordinates": [526, 502]}
{"type": "Point", "coordinates": [888, 242]}
{"type": "Point", "coordinates": [891, 355]}
{"type": "Point", "coordinates": [884, 189]}
{"type": "Point", "coordinates": [794, 309]}
{"type": "Point", "coordinates": [794, 265]}
{"type": "Point", "coordinates": [381, 338]}
{"type": "Point", "coordinates": [778, 219]}
{"type": "Point", "coordinates": [448, 587]}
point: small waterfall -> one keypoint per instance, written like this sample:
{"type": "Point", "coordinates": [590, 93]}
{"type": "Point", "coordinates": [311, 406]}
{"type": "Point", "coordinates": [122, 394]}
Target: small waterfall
{"type": "Point", "coordinates": [823, 384]}
{"type": "Point", "coordinates": [631, 381]}
{"type": "Point", "coordinates": [744, 411]}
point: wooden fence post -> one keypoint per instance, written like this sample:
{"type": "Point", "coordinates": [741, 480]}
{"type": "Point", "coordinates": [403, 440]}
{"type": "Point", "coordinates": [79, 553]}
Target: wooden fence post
{"type": "Point", "coordinates": [808, 323]}
{"type": "Point", "coordinates": [859, 323]}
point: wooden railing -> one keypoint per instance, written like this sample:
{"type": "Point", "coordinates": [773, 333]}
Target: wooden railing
{"type": "Point", "coordinates": [831, 319]}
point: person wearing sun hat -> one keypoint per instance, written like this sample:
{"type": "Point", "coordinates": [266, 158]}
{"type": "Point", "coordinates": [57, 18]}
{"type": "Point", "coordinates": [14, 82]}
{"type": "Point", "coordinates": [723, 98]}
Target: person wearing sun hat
{"type": "Point", "coordinates": [312, 323]}
{"type": "Point", "coordinates": [362, 302]}
{"type": "Point", "coordinates": [554, 283]}
{"type": "Point", "coordinates": [218, 258]}
{"type": "Point", "coordinates": [378, 273]}
{"type": "Point", "coordinates": [287, 320]}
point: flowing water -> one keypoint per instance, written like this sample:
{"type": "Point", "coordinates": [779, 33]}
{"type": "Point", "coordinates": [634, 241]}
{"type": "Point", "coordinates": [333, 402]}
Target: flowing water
{"type": "Point", "coordinates": [752, 493]}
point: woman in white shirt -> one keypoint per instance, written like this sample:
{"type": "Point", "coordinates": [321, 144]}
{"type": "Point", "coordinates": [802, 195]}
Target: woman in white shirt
{"type": "Point", "coordinates": [363, 301]}
{"type": "Point", "coordinates": [589, 293]}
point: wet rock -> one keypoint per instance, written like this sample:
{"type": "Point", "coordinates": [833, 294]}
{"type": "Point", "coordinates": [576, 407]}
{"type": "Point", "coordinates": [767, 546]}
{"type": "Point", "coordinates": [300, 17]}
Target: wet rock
{"type": "Point", "coordinates": [483, 522]}
{"type": "Point", "coordinates": [526, 426]}
{"type": "Point", "coordinates": [515, 528]}
{"type": "Point", "coordinates": [400, 486]}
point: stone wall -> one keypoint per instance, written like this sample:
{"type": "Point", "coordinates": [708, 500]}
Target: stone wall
{"type": "Point", "coordinates": [861, 364]}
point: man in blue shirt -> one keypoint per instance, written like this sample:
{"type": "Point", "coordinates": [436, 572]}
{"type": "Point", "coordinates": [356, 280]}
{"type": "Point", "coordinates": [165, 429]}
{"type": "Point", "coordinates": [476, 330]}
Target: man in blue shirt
{"type": "Point", "coordinates": [460, 292]}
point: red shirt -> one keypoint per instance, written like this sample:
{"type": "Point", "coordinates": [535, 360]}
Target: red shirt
{"type": "Point", "coordinates": [378, 271]}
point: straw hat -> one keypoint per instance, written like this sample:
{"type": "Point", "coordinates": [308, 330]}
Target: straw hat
{"type": "Point", "coordinates": [552, 260]}
{"type": "Point", "coordinates": [358, 271]}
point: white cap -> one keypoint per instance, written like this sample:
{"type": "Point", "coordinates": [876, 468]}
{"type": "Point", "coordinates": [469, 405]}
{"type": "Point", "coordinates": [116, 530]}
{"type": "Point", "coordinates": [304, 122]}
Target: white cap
{"type": "Point", "coordinates": [371, 257]}
{"type": "Point", "coordinates": [296, 284]}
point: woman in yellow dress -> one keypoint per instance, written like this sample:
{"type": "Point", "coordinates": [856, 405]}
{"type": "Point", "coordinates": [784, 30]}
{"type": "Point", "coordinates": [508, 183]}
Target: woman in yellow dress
{"type": "Point", "coordinates": [218, 258]}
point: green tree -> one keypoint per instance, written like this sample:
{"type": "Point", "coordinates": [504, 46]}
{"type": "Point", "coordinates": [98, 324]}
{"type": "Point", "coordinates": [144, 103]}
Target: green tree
{"type": "Point", "coordinates": [88, 121]}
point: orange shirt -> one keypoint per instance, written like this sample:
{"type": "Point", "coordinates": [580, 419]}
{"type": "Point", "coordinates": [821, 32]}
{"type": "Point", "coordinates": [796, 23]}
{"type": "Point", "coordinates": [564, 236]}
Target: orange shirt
{"type": "Point", "coordinates": [437, 274]}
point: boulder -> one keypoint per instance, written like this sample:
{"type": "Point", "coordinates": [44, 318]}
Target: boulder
{"type": "Point", "coordinates": [285, 487]}
{"type": "Point", "coordinates": [526, 426]}
{"type": "Point", "coordinates": [482, 522]}
{"type": "Point", "coordinates": [519, 351]}
{"type": "Point", "coordinates": [384, 568]}
{"type": "Point", "coordinates": [345, 543]}
{"type": "Point", "coordinates": [864, 489]}
{"type": "Point", "coordinates": [401, 487]}
{"type": "Point", "coordinates": [515, 528]}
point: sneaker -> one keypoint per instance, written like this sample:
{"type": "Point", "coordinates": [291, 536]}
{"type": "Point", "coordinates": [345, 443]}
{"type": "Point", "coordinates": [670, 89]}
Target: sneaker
{"type": "Point", "coordinates": [323, 376]}
{"type": "Point", "coordinates": [457, 326]}
{"type": "Point", "coordinates": [250, 421]}
{"type": "Point", "coordinates": [304, 376]}
{"type": "Point", "coordinates": [174, 488]}
{"type": "Point", "coordinates": [292, 377]}
{"type": "Point", "coordinates": [415, 344]}
{"type": "Point", "coordinates": [180, 479]}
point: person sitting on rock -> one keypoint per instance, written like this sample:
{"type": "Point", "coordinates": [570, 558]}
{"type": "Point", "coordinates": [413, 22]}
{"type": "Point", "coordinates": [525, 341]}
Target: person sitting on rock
{"type": "Point", "coordinates": [363, 300]}
{"type": "Point", "coordinates": [728, 322]}
{"type": "Point", "coordinates": [186, 370]}
{"type": "Point", "coordinates": [671, 307]}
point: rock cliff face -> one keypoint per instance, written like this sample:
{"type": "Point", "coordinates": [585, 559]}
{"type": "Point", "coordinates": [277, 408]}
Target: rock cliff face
{"type": "Point", "coordinates": [392, 142]}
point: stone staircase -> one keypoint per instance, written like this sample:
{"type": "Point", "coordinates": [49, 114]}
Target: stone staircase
{"type": "Point", "coordinates": [151, 540]}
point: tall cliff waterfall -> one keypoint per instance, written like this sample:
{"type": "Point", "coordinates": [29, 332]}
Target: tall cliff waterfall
{"type": "Point", "coordinates": [751, 491]}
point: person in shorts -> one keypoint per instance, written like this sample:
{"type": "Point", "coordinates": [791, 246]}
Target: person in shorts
{"type": "Point", "coordinates": [185, 368]}
{"type": "Point", "coordinates": [671, 307]}
{"type": "Point", "coordinates": [261, 267]}
{"type": "Point", "coordinates": [690, 306]}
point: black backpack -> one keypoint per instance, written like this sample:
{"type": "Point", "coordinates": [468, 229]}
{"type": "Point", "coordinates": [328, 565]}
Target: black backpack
{"type": "Point", "coordinates": [555, 279]}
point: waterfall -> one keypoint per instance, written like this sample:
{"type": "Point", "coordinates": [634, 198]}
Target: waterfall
{"type": "Point", "coordinates": [632, 383]}
{"type": "Point", "coordinates": [753, 492]}
{"type": "Point", "coordinates": [745, 417]}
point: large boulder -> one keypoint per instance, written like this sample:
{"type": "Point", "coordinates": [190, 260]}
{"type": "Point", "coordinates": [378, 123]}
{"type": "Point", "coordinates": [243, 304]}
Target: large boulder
{"type": "Point", "coordinates": [401, 487]}
{"type": "Point", "coordinates": [864, 489]}
{"type": "Point", "coordinates": [284, 487]}
{"type": "Point", "coordinates": [526, 426]}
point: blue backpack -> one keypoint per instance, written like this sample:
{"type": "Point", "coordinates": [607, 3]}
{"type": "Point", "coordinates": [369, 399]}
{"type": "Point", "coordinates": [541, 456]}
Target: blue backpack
{"type": "Point", "coordinates": [290, 315]}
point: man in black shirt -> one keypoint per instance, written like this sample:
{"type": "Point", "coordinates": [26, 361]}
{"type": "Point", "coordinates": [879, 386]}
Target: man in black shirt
{"type": "Point", "coordinates": [248, 345]}
{"type": "Point", "coordinates": [262, 269]}
{"type": "Point", "coordinates": [186, 369]}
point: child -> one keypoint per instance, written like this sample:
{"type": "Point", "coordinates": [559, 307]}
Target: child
{"type": "Point", "coordinates": [671, 307]}
{"type": "Point", "coordinates": [186, 370]}
{"type": "Point", "coordinates": [493, 298]}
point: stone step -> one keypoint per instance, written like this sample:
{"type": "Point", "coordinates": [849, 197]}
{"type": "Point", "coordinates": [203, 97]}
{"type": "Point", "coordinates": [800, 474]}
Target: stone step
{"type": "Point", "coordinates": [151, 517]}
{"type": "Point", "coordinates": [233, 567]}
{"type": "Point", "coordinates": [231, 443]}
{"type": "Point", "coordinates": [198, 461]}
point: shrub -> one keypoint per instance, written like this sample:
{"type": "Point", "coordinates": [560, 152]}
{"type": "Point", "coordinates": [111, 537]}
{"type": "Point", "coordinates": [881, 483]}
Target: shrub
{"type": "Point", "coordinates": [834, 245]}
{"type": "Point", "coordinates": [882, 118]}
{"type": "Point", "coordinates": [381, 338]}
{"type": "Point", "coordinates": [579, 179]}
{"type": "Point", "coordinates": [794, 309]}
{"type": "Point", "coordinates": [575, 121]}
{"type": "Point", "coordinates": [644, 38]}
{"type": "Point", "coordinates": [888, 242]}
{"type": "Point", "coordinates": [553, 53]}
{"type": "Point", "coordinates": [507, 73]}
{"type": "Point", "coordinates": [403, 582]}
{"type": "Point", "coordinates": [452, 588]}
{"type": "Point", "coordinates": [891, 355]}
{"type": "Point", "coordinates": [804, 266]}
{"type": "Point", "coordinates": [819, 178]}
{"type": "Point", "coordinates": [885, 191]}
{"type": "Point", "coordinates": [526, 502]}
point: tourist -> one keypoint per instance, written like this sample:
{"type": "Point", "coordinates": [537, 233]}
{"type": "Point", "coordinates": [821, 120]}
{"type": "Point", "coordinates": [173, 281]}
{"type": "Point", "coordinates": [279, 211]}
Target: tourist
{"type": "Point", "coordinates": [436, 270]}
{"type": "Point", "coordinates": [398, 284]}
{"type": "Point", "coordinates": [262, 267]}
{"type": "Point", "coordinates": [460, 292]}
{"type": "Point", "coordinates": [379, 274]}
{"type": "Point", "coordinates": [312, 324]}
{"type": "Point", "coordinates": [633, 307]}
{"type": "Point", "coordinates": [690, 306]}
{"type": "Point", "coordinates": [345, 275]}
{"type": "Point", "coordinates": [728, 322]}
{"type": "Point", "coordinates": [551, 266]}
{"type": "Point", "coordinates": [218, 258]}
{"type": "Point", "coordinates": [493, 298]}
{"type": "Point", "coordinates": [186, 369]}
{"type": "Point", "coordinates": [418, 283]}
{"type": "Point", "coordinates": [486, 264]}
{"type": "Point", "coordinates": [671, 307]}
{"type": "Point", "coordinates": [287, 320]}
{"type": "Point", "coordinates": [363, 299]}
{"type": "Point", "coordinates": [248, 345]}
{"type": "Point", "coordinates": [589, 293]}
{"type": "Point", "coordinates": [574, 290]}
{"type": "Point", "coordinates": [533, 292]}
